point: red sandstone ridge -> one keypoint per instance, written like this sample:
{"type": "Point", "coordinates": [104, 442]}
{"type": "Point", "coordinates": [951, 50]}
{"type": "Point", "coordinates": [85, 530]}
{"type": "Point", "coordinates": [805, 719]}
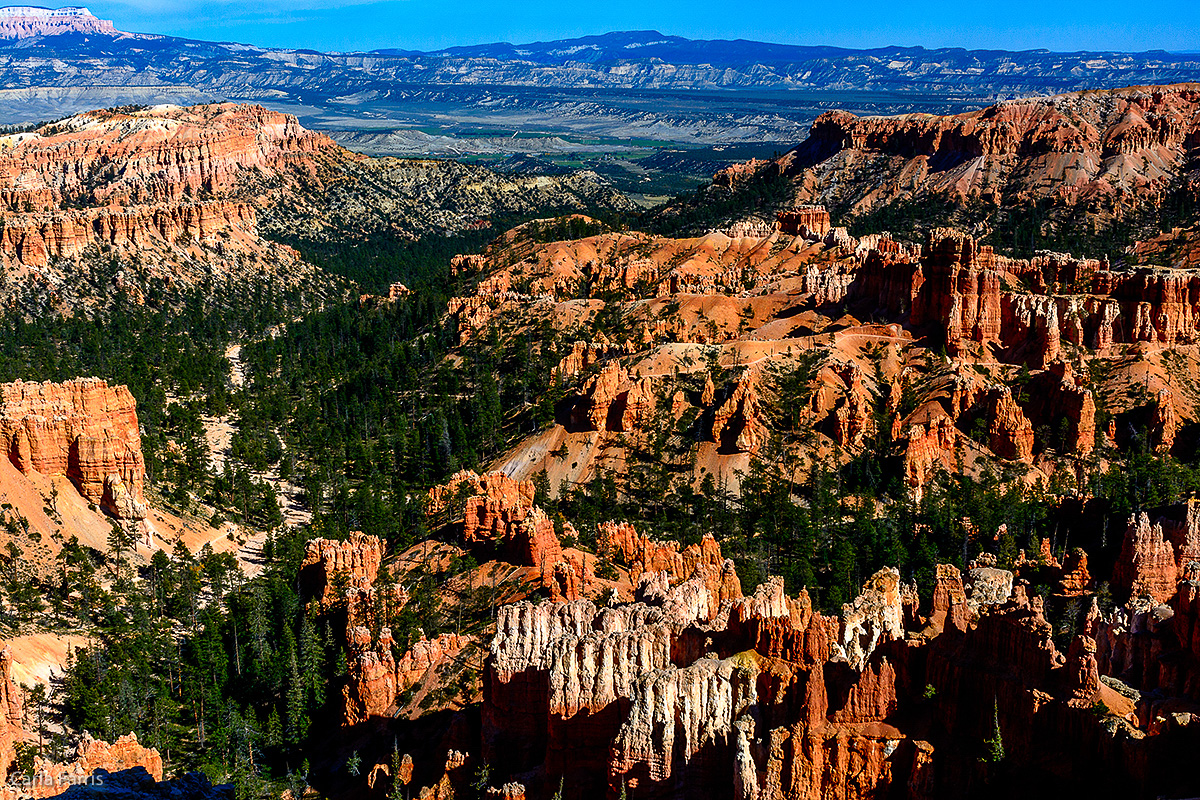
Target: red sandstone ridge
{"type": "Point", "coordinates": [164, 184]}
{"type": "Point", "coordinates": [156, 155]}
{"type": "Point", "coordinates": [1105, 148]}
{"type": "Point", "coordinates": [1026, 308]}
{"type": "Point", "coordinates": [643, 554]}
{"type": "Point", "coordinates": [36, 240]}
{"type": "Point", "coordinates": [82, 429]}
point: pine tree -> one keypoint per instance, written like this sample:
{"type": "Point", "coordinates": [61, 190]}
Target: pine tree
{"type": "Point", "coordinates": [397, 786]}
{"type": "Point", "coordinates": [312, 664]}
{"type": "Point", "coordinates": [297, 713]}
{"type": "Point", "coordinates": [994, 745]}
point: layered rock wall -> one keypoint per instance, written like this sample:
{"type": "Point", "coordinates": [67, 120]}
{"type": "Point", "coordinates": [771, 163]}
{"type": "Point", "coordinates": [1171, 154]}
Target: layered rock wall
{"type": "Point", "coordinates": [1104, 148]}
{"type": "Point", "coordinates": [157, 155]}
{"type": "Point", "coordinates": [83, 429]}
{"type": "Point", "coordinates": [1027, 308]}
{"type": "Point", "coordinates": [35, 240]}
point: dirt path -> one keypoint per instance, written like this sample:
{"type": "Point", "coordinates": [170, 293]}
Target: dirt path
{"type": "Point", "coordinates": [237, 368]}
{"type": "Point", "coordinates": [218, 434]}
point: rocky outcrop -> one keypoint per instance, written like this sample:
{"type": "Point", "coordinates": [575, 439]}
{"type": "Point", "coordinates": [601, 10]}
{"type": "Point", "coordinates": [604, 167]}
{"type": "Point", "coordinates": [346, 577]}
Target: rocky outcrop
{"type": "Point", "coordinates": [11, 731]}
{"type": "Point", "coordinates": [640, 553]}
{"type": "Point", "coordinates": [351, 564]}
{"type": "Point", "coordinates": [500, 521]}
{"type": "Point", "coordinates": [1010, 434]}
{"type": "Point", "coordinates": [427, 655]}
{"type": "Point", "coordinates": [612, 400]}
{"type": "Point", "coordinates": [640, 405]}
{"type": "Point", "coordinates": [1058, 403]}
{"type": "Point", "coordinates": [950, 606]}
{"type": "Point", "coordinates": [467, 484]}
{"type": "Point", "coordinates": [738, 173]}
{"type": "Point", "coordinates": [1157, 551]}
{"type": "Point", "coordinates": [987, 586]}
{"type": "Point", "coordinates": [92, 756]}
{"type": "Point", "coordinates": [737, 424]}
{"type": "Point", "coordinates": [370, 689]}
{"type": "Point", "coordinates": [138, 203]}
{"type": "Point", "coordinates": [376, 680]}
{"type": "Point", "coordinates": [1075, 580]}
{"type": "Point", "coordinates": [1103, 148]}
{"type": "Point", "coordinates": [599, 393]}
{"type": "Point", "coordinates": [36, 240]}
{"type": "Point", "coordinates": [759, 701]}
{"type": "Point", "coordinates": [676, 715]}
{"type": "Point", "coordinates": [928, 446]}
{"type": "Point", "coordinates": [1146, 566]}
{"type": "Point", "coordinates": [1025, 309]}
{"type": "Point", "coordinates": [534, 543]}
{"type": "Point", "coordinates": [558, 672]}
{"type": "Point", "coordinates": [960, 291]}
{"type": "Point", "coordinates": [1164, 423]}
{"type": "Point", "coordinates": [83, 429]}
{"type": "Point", "coordinates": [875, 617]}
{"type": "Point", "coordinates": [810, 222]}
{"type": "Point", "coordinates": [852, 416]}
{"type": "Point", "coordinates": [1151, 643]}
{"type": "Point", "coordinates": [489, 505]}
{"type": "Point", "coordinates": [582, 356]}
{"type": "Point", "coordinates": [154, 155]}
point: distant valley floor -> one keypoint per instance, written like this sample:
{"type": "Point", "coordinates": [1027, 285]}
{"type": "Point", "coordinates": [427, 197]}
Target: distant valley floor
{"type": "Point", "coordinates": [650, 144]}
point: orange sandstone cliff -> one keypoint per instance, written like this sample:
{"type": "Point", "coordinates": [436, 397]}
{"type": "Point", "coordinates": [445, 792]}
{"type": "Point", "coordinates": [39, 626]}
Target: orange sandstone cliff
{"type": "Point", "coordinates": [83, 429]}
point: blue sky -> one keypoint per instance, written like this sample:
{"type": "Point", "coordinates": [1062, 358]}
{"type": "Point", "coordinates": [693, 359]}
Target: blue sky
{"type": "Point", "coordinates": [431, 24]}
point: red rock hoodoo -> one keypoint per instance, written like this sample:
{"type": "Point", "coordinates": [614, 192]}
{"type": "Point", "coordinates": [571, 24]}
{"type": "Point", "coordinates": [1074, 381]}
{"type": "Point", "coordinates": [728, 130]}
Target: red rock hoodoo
{"type": "Point", "coordinates": [756, 697]}
{"type": "Point", "coordinates": [328, 563]}
{"type": "Point", "coordinates": [10, 712]}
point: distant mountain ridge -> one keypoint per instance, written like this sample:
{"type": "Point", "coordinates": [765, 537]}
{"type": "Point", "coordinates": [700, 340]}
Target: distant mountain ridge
{"type": "Point", "coordinates": [86, 53]}
{"type": "Point", "coordinates": [640, 45]}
